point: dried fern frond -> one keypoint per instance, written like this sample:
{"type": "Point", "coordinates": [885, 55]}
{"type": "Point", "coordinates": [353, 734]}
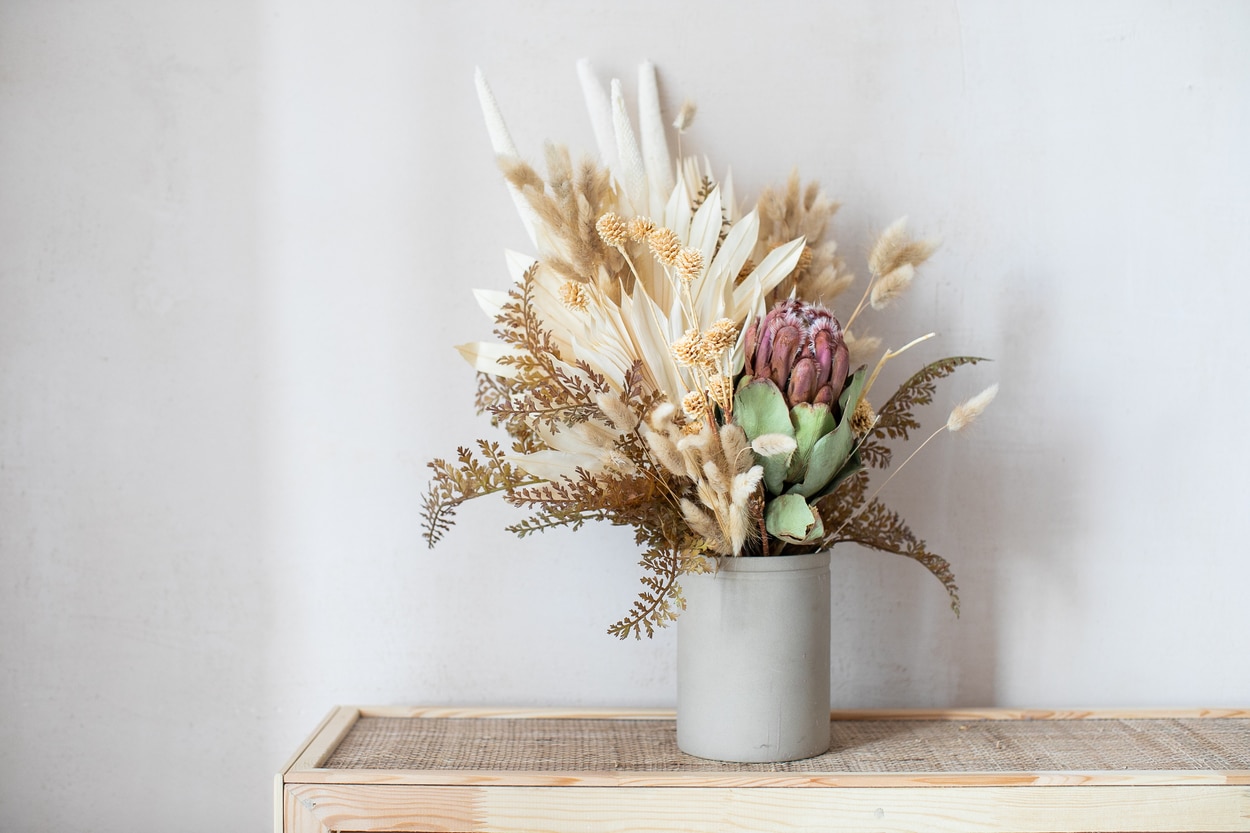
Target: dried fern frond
{"type": "Point", "coordinates": [881, 529]}
{"type": "Point", "coordinates": [543, 521]}
{"type": "Point", "coordinates": [660, 600]}
{"type": "Point", "coordinates": [544, 390]}
{"type": "Point", "coordinates": [470, 477]}
{"type": "Point", "coordinates": [494, 397]}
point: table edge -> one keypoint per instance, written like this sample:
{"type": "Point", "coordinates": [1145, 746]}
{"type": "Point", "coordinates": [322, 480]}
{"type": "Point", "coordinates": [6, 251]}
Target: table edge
{"type": "Point", "coordinates": [581, 713]}
{"type": "Point", "coordinates": [305, 766]}
{"type": "Point", "coordinates": [789, 780]}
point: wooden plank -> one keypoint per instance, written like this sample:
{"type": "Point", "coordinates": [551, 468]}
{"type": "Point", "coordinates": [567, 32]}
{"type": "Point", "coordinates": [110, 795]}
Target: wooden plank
{"type": "Point", "coordinates": [786, 780]}
{"type": "Point", "coordinates": [314, 799]}
{"type": "Point", "coordinates": [308, 741]}
{"type": "Point", "coordinates": [521, 713]}
{"type": "Point", "coordinates": [505, 713]}
{"type": "Point", "coordinates": [279, 797]}
{"type": "Point", "coordinates": [376, 808]}
{"type": "Point", "coordinates": [1039, 714]}
{"type": "Point", "coordinates": [298, 816]}
{"type": "Point", "coordinates": [327, 738]}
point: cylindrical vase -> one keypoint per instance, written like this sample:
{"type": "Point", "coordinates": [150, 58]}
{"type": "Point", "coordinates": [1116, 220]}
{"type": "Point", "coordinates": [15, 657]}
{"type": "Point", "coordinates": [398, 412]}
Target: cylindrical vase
{"type": "Point", "coordinates": [753, 660]}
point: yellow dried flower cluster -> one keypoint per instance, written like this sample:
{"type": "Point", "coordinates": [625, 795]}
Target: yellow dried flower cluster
{"type": "Point", "coordinates": [863, 418]}
{"type": "Point", "coordinates": [720, 337]}
{"type": "Point", "coordinates": [613, 229]}
{"type": "Point", "coordinates": [706, 350]}
{"type": "Point", "coordinates": [693, 404]}
{"type": "Point", "coordinates": [688, 350]}
{"type": "Point", "coordinates": [665, 245]}
{"type": "Point", "coordinates": [574, 296]}
{"type": "Point", "coordinates": [689, 264]}
{"type": "Point", "coordinates": [697, 405]}
{"type": "Point", "coordinates": [640, 227]}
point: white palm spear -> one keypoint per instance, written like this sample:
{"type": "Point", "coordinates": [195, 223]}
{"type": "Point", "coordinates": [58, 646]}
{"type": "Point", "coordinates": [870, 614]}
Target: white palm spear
{"type": "Point", "coordinates": [611, 336]}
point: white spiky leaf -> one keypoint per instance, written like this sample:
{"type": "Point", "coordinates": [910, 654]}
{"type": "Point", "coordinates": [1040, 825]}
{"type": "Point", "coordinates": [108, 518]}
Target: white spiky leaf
{"type": "Point", "coordinates": [729, 260]}
{"type": "Point", "coordinates": [651, 336]}
{"type": "Point", "coordinates": [485, 356]}
{"type": "Point", "coordinates": [727, 196]}
{"type": "Point", "coordinates": [705, 226]}
{"type": "Point", "coordinates": [491, 301]}
{"type": "Point", "coordinates": [518, 264]}
{"type": "Point", "coordinates": [501, 141]}
{"type": "Point", "coordinates": [632, 171]}
{"type": "Point", "coordinates": [654, 141]}
{"type": "Point", "coordinates": [772, 269]}
{"type": "Point", "coordinates": [599, 107]}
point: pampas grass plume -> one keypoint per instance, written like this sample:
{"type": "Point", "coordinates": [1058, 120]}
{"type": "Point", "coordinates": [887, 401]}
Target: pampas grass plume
{"type": "Point", "coordinates": [891, 286]}
{"type": "Point", "coordinates": [771, 445]}
{"type": "Point", "coordinates": [964, 414]}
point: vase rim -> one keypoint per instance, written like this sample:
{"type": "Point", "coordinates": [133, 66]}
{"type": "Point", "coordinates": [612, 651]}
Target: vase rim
{"type": "Point", "coordinates": [775, 563]}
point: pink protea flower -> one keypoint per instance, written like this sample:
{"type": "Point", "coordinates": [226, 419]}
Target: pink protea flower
{"type": "Point", "coordinates": [799, 346]}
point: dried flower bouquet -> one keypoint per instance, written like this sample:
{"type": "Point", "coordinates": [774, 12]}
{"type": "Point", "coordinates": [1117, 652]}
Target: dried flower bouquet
{"type": "Point", "coordinates": [672, 365]}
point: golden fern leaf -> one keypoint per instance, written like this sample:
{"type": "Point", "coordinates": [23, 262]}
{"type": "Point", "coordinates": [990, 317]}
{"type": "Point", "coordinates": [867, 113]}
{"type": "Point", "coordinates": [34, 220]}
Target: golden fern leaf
{"type": "Point", "coordinates": [660, 600]}
{"type": "Point", "coordinates": [469, 477]}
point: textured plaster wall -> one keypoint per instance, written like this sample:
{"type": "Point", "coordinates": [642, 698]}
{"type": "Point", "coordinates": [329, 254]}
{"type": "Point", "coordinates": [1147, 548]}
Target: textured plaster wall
{"type": "Point", "coordinates": [237, 241]}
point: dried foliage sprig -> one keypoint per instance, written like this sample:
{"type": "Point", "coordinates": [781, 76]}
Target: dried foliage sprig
{"type": "Point", "coordinates": [670, 365]}
{"type": "Point", "coordinates": [545, 389]}
{"type": "Point", "coordinates": [470, 477]}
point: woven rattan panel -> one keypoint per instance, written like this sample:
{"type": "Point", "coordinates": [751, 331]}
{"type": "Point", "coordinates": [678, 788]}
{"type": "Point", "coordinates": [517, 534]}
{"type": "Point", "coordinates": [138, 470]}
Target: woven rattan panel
{"type": "Point", "coordinates": [941, 746]}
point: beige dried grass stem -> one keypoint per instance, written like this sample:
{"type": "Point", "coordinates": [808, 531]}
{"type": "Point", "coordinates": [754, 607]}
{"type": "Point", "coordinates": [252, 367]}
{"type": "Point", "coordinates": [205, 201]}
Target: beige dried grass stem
{"type": "Point", "coordinates": [892, 354]}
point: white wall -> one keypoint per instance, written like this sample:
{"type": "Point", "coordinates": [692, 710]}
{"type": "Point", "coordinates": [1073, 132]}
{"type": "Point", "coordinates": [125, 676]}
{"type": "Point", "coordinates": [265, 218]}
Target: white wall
{"type": "Point", "coordinates": [237, 241]}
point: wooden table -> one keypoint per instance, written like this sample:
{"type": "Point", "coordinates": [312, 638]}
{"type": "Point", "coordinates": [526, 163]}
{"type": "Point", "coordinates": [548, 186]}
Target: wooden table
{"type": "Point", "coordinates": [439, 769]}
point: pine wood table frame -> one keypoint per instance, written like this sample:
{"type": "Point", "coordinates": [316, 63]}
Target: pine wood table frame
{"type": "Point", "coordinates": [310, 798]}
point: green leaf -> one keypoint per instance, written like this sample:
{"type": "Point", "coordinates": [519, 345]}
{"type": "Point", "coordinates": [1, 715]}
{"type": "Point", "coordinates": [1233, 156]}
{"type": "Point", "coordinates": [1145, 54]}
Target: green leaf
{"type": "Point", "coordinates": [853, 465]}
{"type": "Point", "coordinates": [829, 455]}
{"type": "Point", "coordinates": [759, 408]}
{"type": "Point", "coordinates": [851, 393]}
{"type": "Point", "coordinates": [789, 518]}
{"type": "Point", "coordinates": [811, 422]}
